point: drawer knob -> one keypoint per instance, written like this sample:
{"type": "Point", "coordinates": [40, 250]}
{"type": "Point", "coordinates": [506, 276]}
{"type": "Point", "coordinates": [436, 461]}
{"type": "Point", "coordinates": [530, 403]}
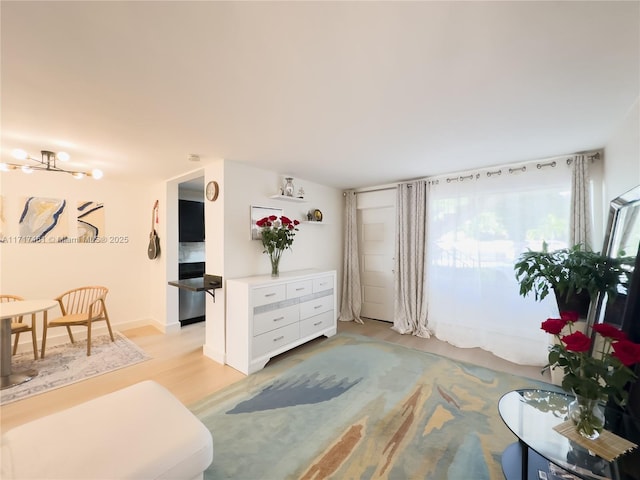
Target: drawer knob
{"type": "Point", "coordinates": [317, 307]}
{"type": "Point", "coordinates": [278, 319]}
{"type": "Point", "coordinates": [299, 289]}
{"type": "Point", "coordinates": [277, 339]}
{"type": "Point", "coordinates": [317, 323]}
{"type": "Point", "coordinates": [270, 294]}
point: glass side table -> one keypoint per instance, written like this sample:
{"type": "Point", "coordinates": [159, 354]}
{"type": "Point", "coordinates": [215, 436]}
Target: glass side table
{"type": "Point", "coordinates": [531, 415]}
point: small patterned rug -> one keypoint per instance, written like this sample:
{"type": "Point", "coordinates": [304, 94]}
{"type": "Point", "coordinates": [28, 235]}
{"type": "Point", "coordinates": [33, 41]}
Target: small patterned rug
{"type": "Point", "coordinates": [354, 407]}
{"type": "Point", "coordinates": [68, 363]}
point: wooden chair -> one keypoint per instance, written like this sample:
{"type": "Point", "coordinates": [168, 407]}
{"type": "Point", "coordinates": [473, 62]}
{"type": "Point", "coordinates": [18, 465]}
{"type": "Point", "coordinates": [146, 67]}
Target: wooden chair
{"type": "Point", "coordinates": [18, 326]}
{"type": "Point", "coordinates": [80, 307]}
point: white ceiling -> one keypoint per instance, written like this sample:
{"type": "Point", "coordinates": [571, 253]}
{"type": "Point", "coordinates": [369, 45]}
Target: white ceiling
{"type": "Point", "coordinates": [347, 94]}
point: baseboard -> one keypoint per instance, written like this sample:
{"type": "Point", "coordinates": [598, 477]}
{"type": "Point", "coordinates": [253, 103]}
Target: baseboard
{"type": "Point", "coordinates": [164, 328]}
{"type": "Point", "coordinates": [59, 336]}
{"type": "Point", "coordinates": [213, 354]}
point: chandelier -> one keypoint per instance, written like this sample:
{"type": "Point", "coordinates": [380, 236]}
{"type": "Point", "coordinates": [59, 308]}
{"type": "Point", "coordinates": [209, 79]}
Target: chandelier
{"type": "Point", "coordinates": [48, 163]}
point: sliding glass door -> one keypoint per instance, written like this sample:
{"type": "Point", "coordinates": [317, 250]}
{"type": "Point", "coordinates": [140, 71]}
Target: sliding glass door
{"type": "Point", "coordinates": [478, 225]}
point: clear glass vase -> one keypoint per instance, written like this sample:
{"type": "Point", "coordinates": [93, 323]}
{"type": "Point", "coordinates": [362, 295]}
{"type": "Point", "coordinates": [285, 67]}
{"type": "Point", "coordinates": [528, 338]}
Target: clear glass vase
{"type": "Point", "coordinates": [587, 415]}
{"type": "Point", "coordinates": [275, 266]}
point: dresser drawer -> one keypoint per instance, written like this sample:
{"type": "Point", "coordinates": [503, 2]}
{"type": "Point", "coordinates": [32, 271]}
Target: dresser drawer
{"type": "Point", "coordinates": [298, 289]}
{"type": "Point", "coordinates": [315, 324]}
{"type": "Point", "coordinates": [316, 307]}
{"type": "Point", "coordinates": [270, 341]}
{"type": "Point", "coordinates": [267, 321]}
{"type": "Point", "coordinates": [270, 294]}
{"type": "Point", "coordinates": [322, 283]}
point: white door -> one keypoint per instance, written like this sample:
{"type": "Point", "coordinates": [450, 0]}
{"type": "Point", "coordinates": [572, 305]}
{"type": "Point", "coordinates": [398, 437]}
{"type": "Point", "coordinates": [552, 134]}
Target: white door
{"type": "Point", "coordinates": [376, 243]}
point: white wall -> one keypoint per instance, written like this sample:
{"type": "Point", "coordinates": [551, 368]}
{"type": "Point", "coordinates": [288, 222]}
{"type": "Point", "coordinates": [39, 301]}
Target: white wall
{"type": "Point", "coordinates": [622, 158]}
{"type": "Point", "coordinates": [45, 270]}
{"type": "Point", "coordinates": [230, 250]}
{"type": "Point", "coordinates": [315, 246]}
{"type": "Point", "coordinates": [163, 305]}
{"type": "Point", "coordinates": [215, 225]}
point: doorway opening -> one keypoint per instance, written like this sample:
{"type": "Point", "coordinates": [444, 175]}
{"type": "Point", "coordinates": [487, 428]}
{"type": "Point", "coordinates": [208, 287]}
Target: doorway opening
{"type": "Point", "coordinates": [191, 249]}
{"type": "Point", "coordinates": [376, 243]}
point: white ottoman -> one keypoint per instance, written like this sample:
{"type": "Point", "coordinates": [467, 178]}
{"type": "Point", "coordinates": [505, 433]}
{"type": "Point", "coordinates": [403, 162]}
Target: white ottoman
{"type": "Point", "coordinates": [140, 432]}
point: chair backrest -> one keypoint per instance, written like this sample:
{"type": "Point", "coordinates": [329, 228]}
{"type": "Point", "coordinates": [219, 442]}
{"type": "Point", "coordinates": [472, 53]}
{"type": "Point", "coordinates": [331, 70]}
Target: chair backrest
{"type": "Point", "coordinates": [9, 298]}
{"type": "Point", "coordinates": [79, 300]}
{"type": "Point", "coordinates": [12, 298]}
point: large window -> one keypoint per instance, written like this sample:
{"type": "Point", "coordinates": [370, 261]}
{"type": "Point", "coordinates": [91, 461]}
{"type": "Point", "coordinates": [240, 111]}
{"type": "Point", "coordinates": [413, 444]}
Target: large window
{"type": "Point", "coordinates": [478, 225]}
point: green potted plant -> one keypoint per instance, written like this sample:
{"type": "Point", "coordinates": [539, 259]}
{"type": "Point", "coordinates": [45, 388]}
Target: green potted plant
{"type": "Point", "coordinates": [574, 274]}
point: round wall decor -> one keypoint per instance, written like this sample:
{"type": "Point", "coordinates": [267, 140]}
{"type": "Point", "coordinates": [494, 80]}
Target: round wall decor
{"type": "Point", "coordinates": [212, 191]}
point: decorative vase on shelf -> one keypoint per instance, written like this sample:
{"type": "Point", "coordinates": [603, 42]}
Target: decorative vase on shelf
{"type": "Point", "coordinates": [587, 415]}
{"type": "Point", "coordinates": [288, 187]}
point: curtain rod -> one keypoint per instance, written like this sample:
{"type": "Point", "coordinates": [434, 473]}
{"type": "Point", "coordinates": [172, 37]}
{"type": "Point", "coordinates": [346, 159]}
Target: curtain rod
{"type": "Point", "coordinates": [514, 167]}
{"type": "Point", "coordinates": [344, 194]}
{"type": "Point", "coordinates": [436, 178]}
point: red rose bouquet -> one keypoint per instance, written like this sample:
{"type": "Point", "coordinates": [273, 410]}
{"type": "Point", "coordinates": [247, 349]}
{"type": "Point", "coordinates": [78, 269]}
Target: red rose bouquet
{"type": "Point", "coordinates": [591, 376]}
{"type": "Point", "coordinates": [277, 235]}
{"type": "Point", "coordinates": [602, 374]}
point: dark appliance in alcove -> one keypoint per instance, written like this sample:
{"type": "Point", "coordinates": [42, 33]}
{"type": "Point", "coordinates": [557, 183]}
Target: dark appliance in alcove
{"type": "Point", "coordinates": [191, 307]}
{"type": "Point", "coordinates": [190, 221]}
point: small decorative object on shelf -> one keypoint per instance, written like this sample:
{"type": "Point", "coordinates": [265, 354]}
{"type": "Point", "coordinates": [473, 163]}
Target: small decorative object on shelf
{"type": "Point", "coordinates": [277, 236]}
{"type": "Point", "coordinates": [592, 378]}
{"type": "Point", "coordinates": [300, 193]}
{"type": "Point", "coordinates": [288, 188]}
{"type": "Point", "coordinates": [317, 215]}
{"type": "Point", "coordinates": [309, 216]}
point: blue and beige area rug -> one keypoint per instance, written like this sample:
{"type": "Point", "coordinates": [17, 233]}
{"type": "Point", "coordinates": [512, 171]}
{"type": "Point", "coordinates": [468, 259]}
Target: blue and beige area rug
{"type": "Point", "coordinates": [68, 363]}
{"type": "Point", "coordinates": [351, 407]}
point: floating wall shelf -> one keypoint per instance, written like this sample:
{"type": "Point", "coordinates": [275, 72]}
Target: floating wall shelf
{"type": "Point", "coordinates": [288, 199]}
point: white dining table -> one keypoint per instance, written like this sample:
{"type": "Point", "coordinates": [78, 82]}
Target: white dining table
{"type": "Point", "coordinates": [9, 310]}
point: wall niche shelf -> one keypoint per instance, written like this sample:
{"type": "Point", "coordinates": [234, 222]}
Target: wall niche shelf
{"type": "Point", "coordinates": [312, 222]}
{"type": "Point", "coordinates": [288, 199]}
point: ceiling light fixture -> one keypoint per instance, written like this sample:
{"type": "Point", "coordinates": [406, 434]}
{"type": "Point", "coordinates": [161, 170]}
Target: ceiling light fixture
{"type": "Point", "coordinates": [46, 163]}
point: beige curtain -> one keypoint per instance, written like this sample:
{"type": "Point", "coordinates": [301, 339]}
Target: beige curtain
{"type": "Point", "coordinates": [410, 296]}
{"type": "Point", "coordinates": [351, 303]}
{"type": "Point", "coordinates": [580, 222]}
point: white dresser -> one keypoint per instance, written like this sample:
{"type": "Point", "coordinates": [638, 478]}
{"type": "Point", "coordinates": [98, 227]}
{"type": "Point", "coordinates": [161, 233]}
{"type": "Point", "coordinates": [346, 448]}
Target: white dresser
{"type": "Point", "coordinates": [267, 316]}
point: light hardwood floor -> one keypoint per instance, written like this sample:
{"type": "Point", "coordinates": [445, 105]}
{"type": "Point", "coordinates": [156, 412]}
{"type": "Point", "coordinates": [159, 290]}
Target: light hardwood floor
{"type": "Point", "coordinates": [178, 363]}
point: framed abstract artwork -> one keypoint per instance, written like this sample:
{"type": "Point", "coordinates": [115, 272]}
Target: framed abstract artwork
{"type": "Point", "coordinates": [43, 220]}
{"type": "Point", "coordinates": [90, 221]}
{"type": "Point", "coordinates": [260, 212]}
